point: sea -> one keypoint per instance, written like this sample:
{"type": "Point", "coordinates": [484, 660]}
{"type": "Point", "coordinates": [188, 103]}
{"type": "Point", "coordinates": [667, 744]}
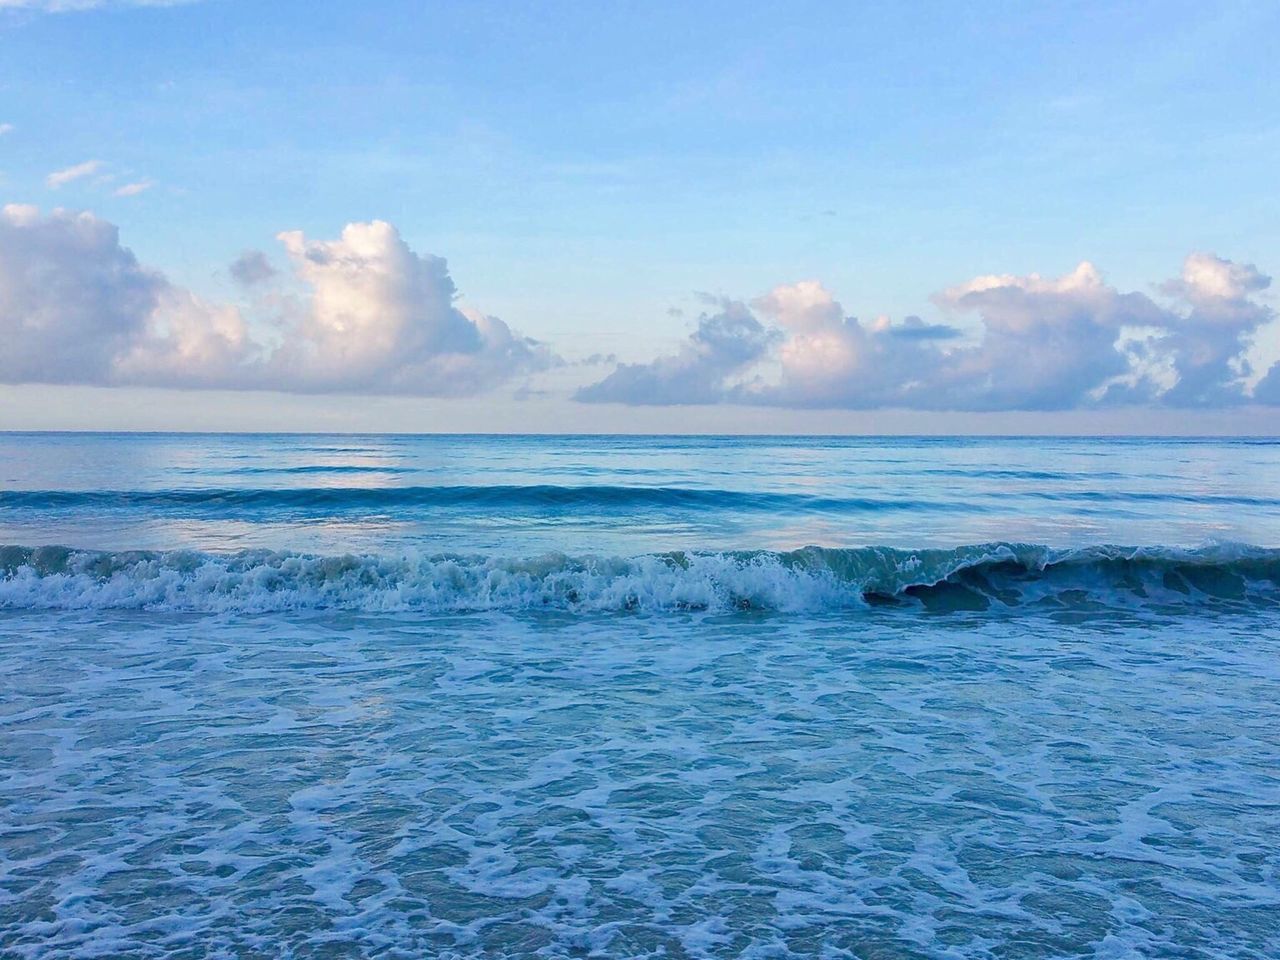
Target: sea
{"type": "Point", "coordinates": [289, 696]}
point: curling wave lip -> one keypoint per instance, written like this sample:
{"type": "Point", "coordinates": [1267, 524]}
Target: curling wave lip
{"type": "Point", "coordinates": [992, 576]}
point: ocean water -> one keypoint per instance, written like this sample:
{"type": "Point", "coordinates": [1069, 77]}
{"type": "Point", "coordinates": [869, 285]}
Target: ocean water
{"type": "Point", "coordinates": [340, 696]}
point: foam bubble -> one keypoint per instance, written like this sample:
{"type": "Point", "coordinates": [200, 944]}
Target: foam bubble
{"type": "Point", "coordinates": [978, 577]}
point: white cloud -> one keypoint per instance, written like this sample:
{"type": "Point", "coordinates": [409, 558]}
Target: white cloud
{"type": "Point", "coordinates": [725, 343]}
{"type": "Point", "coordinates": [364, 313]}
{"type": "Point", "coordinates": [370, 315]}
{"type": "Point", "coordinates": [6, 128]}
{"type": "Point", "coordinates": [1046, 343]}
{"type": "Point", "coordinates": [191, 343]}
{"type": "Point", "coordinates": [71, 6]}
{"type": "Point", "coordinates": [381, 317]}
{"type": "Point", "coordinates": [133, 189]}
{"type": "Point", "coordinates": [1206, 344]}
{"type": "Point", "coordinates": [1209, 278]}
{"type": "Point", "coordinates": [1043, 344]}
{"type": "Point", "coordinates": [77, 307]}
{"type": "Point", "coordinates": [830, 359]}
{"type": "Point", "coordinates": [61, 177]}
{"type": "Point", "coordinates": [71, 298]}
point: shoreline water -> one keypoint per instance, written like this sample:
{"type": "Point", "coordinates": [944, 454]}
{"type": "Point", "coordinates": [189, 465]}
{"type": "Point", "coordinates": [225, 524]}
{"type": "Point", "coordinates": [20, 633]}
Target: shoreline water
{"type": "Point", "coordinates": [406, 697]}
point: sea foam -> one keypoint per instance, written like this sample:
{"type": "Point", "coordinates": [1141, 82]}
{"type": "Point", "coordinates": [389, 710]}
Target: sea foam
{"type": "Point", "coordinates": [813, 579]}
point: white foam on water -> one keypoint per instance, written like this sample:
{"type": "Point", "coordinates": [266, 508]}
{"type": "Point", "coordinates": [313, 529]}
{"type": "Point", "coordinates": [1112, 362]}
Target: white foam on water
{"type": "Point", "coordinates": [698, 785]}
{"type": "Point", "coordinates": [1004, 575]}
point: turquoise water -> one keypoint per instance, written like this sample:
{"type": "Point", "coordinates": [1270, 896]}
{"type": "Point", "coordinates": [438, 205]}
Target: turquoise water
{"type": "Point", "coordinates": [641, 697]}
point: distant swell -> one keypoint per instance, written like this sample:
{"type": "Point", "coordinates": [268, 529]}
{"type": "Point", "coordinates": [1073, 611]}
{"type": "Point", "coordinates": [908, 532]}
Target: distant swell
{"type": "Point", "coordinates": [337, 500]}
{"type": "Point", "coordinates": [1004, 576]}
{"type": "Point", "coordinates": [490, 496]}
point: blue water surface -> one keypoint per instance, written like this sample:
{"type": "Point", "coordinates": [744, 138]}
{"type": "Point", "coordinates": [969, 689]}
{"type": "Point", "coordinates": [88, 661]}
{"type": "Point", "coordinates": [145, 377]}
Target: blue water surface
{"type": "Point", "coordinates": [334, 696]}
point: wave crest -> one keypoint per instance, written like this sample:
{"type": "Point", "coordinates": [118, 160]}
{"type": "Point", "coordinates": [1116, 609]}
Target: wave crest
{"type": "Point", "coordinates": [813, 579]}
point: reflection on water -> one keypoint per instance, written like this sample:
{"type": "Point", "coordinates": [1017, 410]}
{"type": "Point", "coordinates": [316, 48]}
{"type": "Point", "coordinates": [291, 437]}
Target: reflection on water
{"type": "Point", "coordinates": [778, 493]}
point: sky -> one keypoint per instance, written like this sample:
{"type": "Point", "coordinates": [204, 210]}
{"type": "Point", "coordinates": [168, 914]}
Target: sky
{"type": "Point", "coordinates": [654, 217]}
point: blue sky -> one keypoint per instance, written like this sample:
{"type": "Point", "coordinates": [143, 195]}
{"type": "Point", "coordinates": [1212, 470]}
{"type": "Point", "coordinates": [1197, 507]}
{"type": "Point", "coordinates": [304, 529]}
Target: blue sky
{"type": "Point", "coordinates": [592, 172]}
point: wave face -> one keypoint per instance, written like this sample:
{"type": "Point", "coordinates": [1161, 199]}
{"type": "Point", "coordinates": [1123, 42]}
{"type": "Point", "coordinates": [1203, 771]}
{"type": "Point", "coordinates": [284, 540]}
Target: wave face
{"type": "Point", "coordinates": [993, 576]}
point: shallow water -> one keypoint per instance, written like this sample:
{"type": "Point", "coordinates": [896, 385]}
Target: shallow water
{"type": "Point", "coordinates": [678, 737]}
{"type": "Point", "coordinates": [671, 786]}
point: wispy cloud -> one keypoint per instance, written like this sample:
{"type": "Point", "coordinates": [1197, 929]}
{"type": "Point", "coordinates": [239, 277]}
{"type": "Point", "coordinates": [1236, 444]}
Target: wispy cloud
{"type": "Point", "coordinates": [61, 177]}
{"type": "Point", "coordinates": [70, 6]}
{"type": "Point", "coordinates": [5, 128]}
{"type": "Point", "coordinates": [133, 189]}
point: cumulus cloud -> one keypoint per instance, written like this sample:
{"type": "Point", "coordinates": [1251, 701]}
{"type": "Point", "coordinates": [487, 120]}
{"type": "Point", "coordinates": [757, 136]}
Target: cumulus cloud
{"type": "Point", "coordinates": [1038, 344]}
{"type": "Point", "coordinates": [725, 343]}
{"type": "Point", "coordinates": [829, 359]}
{"type": "Point", "coordinates": [71, 298]}
{"type": "Point", "coordinates": [1268, 388]}
{"type": "Point", "coordinates": [381, 317]}
{"type": "Point", "coordinates": [1206, 342]}
{"type": "Point", "coordinates": [77, 307]}
{"type": "Point", "coordinates": [62, 177]}
{"type": "Point", "coordinates": [1046, 343]}
{"type": "Point", "coordinates": [191, 343]}
{"type": "Point", "coordinates": [367, 314]}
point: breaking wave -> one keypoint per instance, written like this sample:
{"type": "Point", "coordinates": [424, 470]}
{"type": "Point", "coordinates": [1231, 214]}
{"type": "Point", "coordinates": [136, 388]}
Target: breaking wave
{"type": "Point", "coordinates": [814, 579]}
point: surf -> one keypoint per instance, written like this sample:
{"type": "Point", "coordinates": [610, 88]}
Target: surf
{"type": "Point", "coordinates": [998, 576]}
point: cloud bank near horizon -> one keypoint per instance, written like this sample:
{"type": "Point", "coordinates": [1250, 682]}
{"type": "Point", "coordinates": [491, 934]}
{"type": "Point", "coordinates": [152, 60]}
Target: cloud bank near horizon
{"type": "Point", "coordinates": [366, 314]}
{"type": "Point", "coordinates": [1043, 344]}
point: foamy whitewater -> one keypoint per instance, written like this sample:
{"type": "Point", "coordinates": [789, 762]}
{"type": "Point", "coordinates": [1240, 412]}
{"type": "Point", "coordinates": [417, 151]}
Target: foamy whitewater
{"type": "Point", "coordinates": [304, 696]}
